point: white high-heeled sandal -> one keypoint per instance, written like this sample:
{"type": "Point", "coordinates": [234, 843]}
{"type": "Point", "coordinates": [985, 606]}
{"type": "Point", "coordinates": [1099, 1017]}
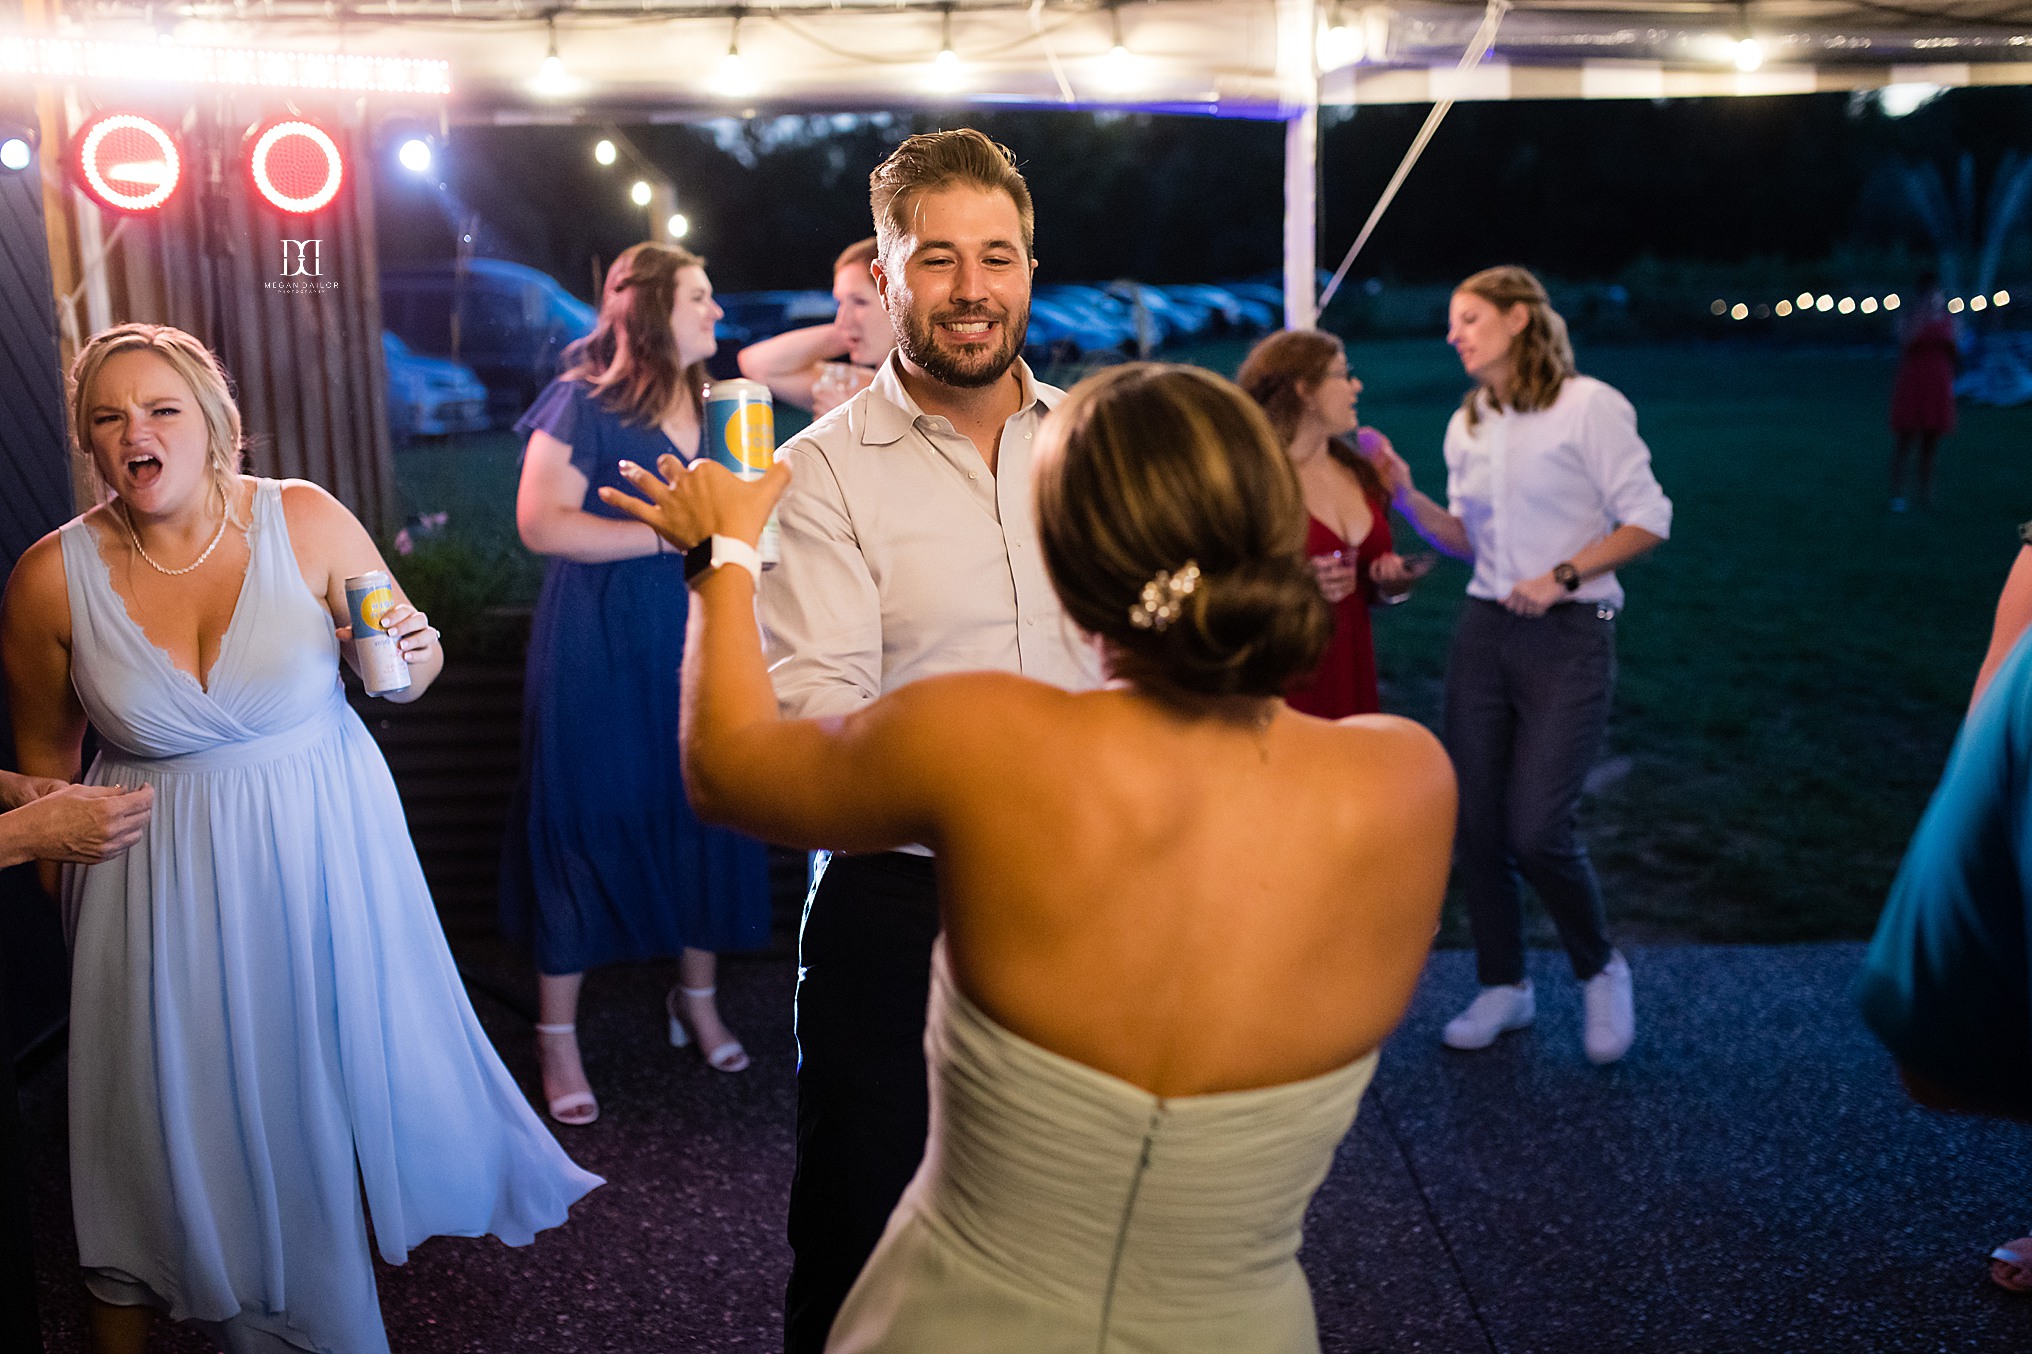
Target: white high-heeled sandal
{"type": "Point", "coordinates": [728, 1057]}
{"type": "Point", "coordinates": [561, 1109]}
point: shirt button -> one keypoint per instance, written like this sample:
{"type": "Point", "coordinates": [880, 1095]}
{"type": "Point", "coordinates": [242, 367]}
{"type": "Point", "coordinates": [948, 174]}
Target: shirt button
{"type": "Point", "coordinates": [973, 475]}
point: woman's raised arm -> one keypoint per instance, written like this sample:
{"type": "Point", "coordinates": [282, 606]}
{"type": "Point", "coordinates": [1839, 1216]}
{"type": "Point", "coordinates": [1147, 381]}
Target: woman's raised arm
{"type": "Point", "coordinates": [861, 782]}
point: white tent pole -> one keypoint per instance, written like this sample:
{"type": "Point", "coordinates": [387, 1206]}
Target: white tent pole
{"type": "Point", "coordinates": [1301, 258]}
{"type": "Point", "coordinates": [1298, 75]}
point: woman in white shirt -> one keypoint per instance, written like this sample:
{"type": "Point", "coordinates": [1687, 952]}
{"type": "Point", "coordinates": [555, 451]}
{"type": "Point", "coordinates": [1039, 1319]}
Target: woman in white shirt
{"type": "Point", "coordinates": [1549, 492]}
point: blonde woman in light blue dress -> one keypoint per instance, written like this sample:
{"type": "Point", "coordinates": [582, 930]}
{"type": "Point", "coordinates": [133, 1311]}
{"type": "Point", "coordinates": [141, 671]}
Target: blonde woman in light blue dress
{"type": "Point", "coordinates": [269, 1043]}
{"type": "Point", "coordinates": [1180, 917]}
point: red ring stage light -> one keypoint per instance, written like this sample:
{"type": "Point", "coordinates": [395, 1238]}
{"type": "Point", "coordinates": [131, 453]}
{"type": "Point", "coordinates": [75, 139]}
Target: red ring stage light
{"type": "Point", "coordinates": [126, 162]}
{"type": "Point", "coordinates": [296, 166]}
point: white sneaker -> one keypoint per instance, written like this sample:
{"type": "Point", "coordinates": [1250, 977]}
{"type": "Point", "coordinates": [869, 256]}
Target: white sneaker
{"type": "Point", "coordinates": [1611, 1014]}
{"type": "Point", "coordinates": [1497, 1010]}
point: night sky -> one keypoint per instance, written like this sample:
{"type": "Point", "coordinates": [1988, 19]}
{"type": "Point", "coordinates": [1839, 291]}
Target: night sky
{"type": "Point", "coordinates": [1578, 190]}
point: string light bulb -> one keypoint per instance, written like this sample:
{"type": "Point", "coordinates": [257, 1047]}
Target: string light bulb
{"type": "Point", "coordinates": [1340, 43]}
{"type": "Point", "coordinates": [604, 152]}
{"type": "Point", "coordinates": [552, 80]}
{"type": "Point", "coordinates": [1749, 51]}
{"type": "Point", "coordinates": [1118, 66]}
{"type": "Point", "coordinates": [640, 193]}
{"type": "Point", "coordinates": [733, 76]}
{"type": "Point", "coordinates": [946, 75]}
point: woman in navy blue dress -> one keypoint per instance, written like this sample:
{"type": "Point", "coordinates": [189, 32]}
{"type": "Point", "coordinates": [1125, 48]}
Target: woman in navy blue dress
{"type": "Point", "coordinates": [605, 861]}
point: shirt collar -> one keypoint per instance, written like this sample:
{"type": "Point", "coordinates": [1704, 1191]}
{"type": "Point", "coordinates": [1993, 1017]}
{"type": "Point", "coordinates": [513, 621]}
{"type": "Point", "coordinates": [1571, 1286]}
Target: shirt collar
{"type": "Point", "coordinates": [893, 413]}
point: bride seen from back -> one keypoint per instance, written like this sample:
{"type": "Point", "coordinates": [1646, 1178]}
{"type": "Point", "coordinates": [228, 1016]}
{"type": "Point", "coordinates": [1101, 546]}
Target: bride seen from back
{"type": "Point", "coordinates": [1177, 880]}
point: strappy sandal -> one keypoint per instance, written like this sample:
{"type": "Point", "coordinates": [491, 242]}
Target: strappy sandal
{"type": "Point", "coordinates": [2011, 1265]}
{"type": "Point", "coordinates": [577, 1108]}
{"type": "Point", "coordinates": [727, 1057]}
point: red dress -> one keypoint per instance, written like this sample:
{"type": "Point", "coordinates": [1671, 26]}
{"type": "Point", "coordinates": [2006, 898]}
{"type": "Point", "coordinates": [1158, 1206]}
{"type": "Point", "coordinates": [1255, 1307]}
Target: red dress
{"type": "Point", "coordinates": [1344, 683]}
{"type": "Point", "coordinates": [1922, 395]}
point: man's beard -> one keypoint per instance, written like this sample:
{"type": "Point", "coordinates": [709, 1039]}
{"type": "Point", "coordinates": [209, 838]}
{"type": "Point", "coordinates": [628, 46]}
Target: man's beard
{"type": "Point", "coordinates": [917, 336]}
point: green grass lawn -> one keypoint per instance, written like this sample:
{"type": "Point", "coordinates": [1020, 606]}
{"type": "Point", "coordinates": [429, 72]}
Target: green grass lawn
{"type": "Point", "coordinates": [1794, 662]}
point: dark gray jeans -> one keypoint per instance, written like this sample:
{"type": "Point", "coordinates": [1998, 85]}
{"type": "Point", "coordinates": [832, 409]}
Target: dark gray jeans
{"type": "Point", "coordinates": [1527, 705]}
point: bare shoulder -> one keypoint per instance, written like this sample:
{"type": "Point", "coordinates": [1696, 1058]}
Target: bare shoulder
{"type": "Point", "coordinates": [314, 515]}
{"type": "Point", "coordinates": [1401, 752]}
{"type": "Point", "coordinates": [956, 735]}
{"type": "Point", "coordinates": [36, 588]}
{"type": "Point", "coordinates": [310, 503]}
{"type": "Point", "coordinates": [954, 705]}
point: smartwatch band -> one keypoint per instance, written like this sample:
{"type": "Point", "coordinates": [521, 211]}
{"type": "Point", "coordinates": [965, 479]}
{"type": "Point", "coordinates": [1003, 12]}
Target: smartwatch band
{"type": "Point", "coordinates": [716, 551]}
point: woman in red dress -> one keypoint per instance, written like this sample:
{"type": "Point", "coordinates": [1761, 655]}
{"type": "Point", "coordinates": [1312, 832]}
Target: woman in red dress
{"type": "Point", "coordinates": [1301, 379]}
{"type": "Point", "coordinates": [1922, 396]}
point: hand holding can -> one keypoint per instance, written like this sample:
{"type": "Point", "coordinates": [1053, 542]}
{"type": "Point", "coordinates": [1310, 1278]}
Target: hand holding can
{"type": "Point", "coordinates": [369, 598]}
{"type": "Point", "coordinates": [741, 435]}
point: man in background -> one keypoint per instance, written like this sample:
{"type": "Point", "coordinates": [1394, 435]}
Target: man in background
{"type": "Point", "coordinates": [909, 550]}
{"type": "Point", "coordinates": [801, 367]}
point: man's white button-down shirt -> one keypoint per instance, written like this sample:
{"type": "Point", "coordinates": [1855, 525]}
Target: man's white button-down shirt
{"type": "Point", "coordinates": [904, 557]}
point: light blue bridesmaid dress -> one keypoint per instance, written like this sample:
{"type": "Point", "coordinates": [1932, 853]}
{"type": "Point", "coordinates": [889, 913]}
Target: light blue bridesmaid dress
{"type": "Point", "coordinates": [265, 1020]}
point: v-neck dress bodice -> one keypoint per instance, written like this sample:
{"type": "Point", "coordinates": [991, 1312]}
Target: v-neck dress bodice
{"type": "Point", "coordinates": [1343, 682]}
{"type": "Point", "coordinates": [269, 1042]}
{"type": "Point", "coordinates": [276, 673]}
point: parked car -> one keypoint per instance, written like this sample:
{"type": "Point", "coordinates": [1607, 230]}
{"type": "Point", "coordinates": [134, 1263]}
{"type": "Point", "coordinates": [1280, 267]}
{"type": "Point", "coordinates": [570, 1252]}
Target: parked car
{"type": "Point", "coordinates": [1231, 313]}
{"type": "Point", "coordinates": [513, 323]}
{"type": "Point", "coordinates": [1266, 294]}
{"type": "Point", "coordinates": [429, 396]}
{"type": "Point", "coordinates": [1105, 323]}
{"type": "Point", "coordinates": [752, 316]}
{"type": "Point", "coordinates": [1175, 319]}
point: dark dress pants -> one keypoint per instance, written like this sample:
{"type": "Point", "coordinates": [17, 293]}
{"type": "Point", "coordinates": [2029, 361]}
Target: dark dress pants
{"type": "Point", "coordinates": [1527, 707]}
{"type": "Point", "coordinates": [864, 979]}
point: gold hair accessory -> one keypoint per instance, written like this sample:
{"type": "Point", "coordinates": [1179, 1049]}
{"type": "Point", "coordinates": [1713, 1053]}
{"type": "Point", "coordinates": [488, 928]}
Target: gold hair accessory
{"type": "Point", "coordinates": [1163, 598]}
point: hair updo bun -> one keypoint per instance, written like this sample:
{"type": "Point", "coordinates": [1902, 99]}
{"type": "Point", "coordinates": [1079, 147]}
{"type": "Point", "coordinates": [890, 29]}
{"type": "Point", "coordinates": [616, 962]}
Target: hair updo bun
{"type": "Point", "coordinates": [1147, 468]}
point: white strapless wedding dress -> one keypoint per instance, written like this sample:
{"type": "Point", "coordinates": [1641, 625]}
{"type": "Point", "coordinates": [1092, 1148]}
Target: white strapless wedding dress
{"type": "Point", "coordinates": [1062, 1209]}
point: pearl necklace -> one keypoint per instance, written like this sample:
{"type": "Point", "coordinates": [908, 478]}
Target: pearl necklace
{"type": "Point", "coordinates": [127, 520]}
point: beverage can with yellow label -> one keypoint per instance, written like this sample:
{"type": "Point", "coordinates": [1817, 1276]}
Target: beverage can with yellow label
{"type": "Point", "coordinates": [741, 435]}
{"type": "Point", "coordinates": [382, 667]}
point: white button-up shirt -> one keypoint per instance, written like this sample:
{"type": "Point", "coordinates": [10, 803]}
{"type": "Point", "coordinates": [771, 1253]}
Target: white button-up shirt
{"type": "Point", "coordinates": [1534, 489]}
{"type": "Point", "coordinates": [903, 556]}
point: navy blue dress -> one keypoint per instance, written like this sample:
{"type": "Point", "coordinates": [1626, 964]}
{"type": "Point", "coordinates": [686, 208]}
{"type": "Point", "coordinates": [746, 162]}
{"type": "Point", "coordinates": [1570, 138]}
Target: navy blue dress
{"type": "Point", "coordinates": [604, 860]}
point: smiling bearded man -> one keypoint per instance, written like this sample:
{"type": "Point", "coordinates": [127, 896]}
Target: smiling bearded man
{"type": "Point", "coordinates": [908, 550]}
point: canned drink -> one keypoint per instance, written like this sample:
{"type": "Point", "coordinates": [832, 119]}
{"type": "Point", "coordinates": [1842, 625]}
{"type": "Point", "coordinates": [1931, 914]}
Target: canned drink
{"type": "Point", "coordinates": [382, 667]}
{"type": "Point", "coordinates": [741, 435]}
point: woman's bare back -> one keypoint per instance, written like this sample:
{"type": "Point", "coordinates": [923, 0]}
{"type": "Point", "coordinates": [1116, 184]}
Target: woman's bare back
{"type": "Point", "coordinates": [1190, 904]}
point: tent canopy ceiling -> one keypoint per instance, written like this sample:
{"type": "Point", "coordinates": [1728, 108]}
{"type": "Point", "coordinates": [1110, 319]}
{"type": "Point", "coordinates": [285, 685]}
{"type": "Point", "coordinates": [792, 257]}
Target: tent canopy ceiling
{"type": "Point", "coordinates": [652, 59]}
